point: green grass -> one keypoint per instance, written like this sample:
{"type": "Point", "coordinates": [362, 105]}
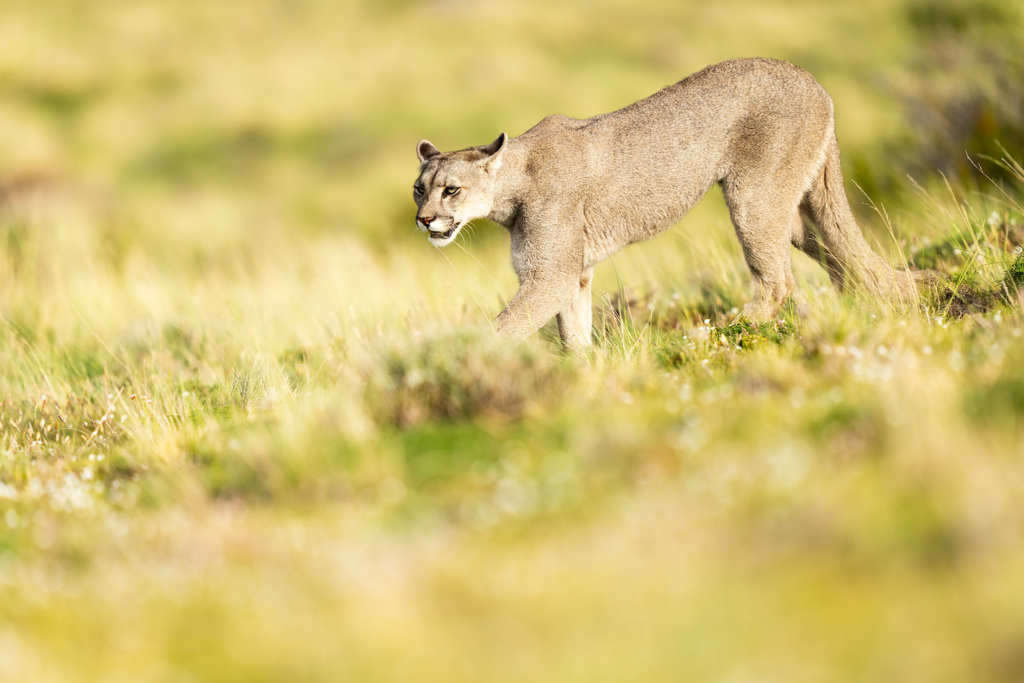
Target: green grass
{"type": "Point", "coordinates": [253, 428]}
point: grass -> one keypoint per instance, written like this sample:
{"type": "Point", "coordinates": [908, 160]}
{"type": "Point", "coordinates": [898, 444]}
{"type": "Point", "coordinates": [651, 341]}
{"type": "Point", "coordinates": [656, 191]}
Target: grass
{"type": "Point", "coordinates": [253, 429]}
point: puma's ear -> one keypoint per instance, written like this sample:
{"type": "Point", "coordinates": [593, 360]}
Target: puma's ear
{"type": "Point", "coordinates": [426, 151]}
{"type": "Point", "coordinates": [494, 152]}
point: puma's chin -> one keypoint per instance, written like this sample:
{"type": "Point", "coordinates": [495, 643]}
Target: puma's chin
{"type": "Point", "coordinates": [443, 239]}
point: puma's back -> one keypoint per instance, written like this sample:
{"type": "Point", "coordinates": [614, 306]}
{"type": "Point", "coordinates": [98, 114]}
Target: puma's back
{"type": "Point", "coordinates": [638, 170]}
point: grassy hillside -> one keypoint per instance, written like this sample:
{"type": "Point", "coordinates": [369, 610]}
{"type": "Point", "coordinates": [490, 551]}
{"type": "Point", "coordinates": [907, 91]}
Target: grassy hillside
{"type": "Point", "coordinates": [252, 426]}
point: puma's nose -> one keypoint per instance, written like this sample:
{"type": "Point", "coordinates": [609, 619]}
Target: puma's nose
{"type": "Point", "coordinates": [426, 221]}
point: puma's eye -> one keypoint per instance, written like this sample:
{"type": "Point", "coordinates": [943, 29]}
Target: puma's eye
{"type": "Point", "coordinates": [451, 191]}
{"type": "Point", "coordinates": [417, 190]}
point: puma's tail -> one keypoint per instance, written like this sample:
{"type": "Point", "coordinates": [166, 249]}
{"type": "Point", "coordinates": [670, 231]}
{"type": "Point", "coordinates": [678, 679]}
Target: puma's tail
{"type": "Point", "coordinates": [851, 260]}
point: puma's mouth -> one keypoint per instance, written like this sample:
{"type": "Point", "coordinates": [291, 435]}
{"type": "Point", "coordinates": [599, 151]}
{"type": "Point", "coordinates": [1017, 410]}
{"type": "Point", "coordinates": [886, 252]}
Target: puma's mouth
{"type": "Point", "coordinates": [447, 234]}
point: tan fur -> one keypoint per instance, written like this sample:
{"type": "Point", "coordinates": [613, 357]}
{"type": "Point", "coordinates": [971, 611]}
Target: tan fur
{"type": "Point", "coordinates": [573, 192]}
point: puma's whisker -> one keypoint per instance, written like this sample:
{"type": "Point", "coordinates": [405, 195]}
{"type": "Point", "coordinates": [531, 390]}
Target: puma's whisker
{"type": "Point", "coordinates": [491, 277]}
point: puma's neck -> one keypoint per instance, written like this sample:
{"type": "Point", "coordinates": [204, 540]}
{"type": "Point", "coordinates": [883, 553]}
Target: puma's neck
{"type": "Point", "coordinates": [511, 185]}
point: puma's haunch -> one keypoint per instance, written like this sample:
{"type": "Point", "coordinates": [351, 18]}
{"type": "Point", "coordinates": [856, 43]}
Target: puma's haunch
{"type": "Point", "coordinates": [573, 192]}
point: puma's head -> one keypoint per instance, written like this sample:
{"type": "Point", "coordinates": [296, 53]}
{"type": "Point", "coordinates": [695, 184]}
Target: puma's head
{"type": "Point", "coordinates": [455, 187]}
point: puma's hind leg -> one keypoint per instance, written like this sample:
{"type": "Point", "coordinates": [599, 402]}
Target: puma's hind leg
{"type": "Point", "coordinates": [765, 231]}
{"type": "Point", "coordinates": [773, 277]}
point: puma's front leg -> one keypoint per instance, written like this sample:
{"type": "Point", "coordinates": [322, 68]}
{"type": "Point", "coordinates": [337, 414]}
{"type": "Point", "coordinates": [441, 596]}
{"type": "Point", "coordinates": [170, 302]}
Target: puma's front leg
{"type": "Point", "coordinates": [548, 261]}
{"type": "Point", "coordinates": [537, 301]}
{"type": "Point", "coordinates": [575, 320]}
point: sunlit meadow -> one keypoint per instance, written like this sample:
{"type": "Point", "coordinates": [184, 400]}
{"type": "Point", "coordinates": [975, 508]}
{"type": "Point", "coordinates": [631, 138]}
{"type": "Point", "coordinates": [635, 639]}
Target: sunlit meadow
{"type": "Point", "coordinates": [254, 427]}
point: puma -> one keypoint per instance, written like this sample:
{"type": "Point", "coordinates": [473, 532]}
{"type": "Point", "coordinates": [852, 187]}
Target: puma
{"type": "Point", "coordinates": [573, 192]}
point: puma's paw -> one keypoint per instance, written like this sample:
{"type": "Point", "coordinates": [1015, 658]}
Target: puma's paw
{"type": "Point", "coordinates": [756, 312]}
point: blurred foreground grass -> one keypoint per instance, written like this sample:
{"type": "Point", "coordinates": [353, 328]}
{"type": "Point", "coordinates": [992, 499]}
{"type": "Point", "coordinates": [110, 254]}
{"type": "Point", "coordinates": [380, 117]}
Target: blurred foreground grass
{"type": "Point", "coordinates": [253, 428]}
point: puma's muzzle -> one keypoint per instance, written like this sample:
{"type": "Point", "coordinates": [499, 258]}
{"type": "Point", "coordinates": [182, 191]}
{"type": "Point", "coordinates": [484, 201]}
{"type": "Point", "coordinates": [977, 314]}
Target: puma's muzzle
{"type": "Point", "coordinates": [447, 234]}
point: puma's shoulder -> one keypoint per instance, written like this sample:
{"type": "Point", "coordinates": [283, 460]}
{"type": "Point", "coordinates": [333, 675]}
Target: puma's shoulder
{"type": "Point", "coordinates": [554, 146]}
{"type": "Point", "coordinates": [556, 129]}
